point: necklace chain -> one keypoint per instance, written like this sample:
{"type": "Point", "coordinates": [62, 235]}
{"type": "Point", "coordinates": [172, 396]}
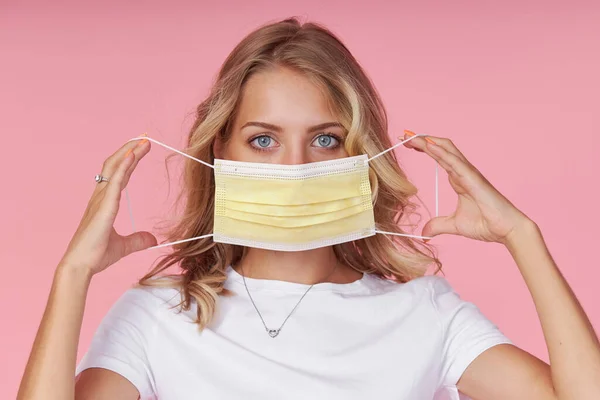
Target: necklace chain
{"type": "Point", "coordinates": [274, 332]}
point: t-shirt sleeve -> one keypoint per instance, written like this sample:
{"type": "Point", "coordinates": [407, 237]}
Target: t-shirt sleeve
{"type": "Point", "coordinates": [123, 340]}
{"type": "Point", "coordinates": [466, 331]}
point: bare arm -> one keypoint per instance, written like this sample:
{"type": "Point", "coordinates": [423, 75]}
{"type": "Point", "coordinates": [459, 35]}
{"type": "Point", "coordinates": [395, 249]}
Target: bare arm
{"type": "Point", "coordinates": [574, 373]}
{"type": "Point", "coordinates": [504, 371]}
{"type": "Point", "coordinates": [50, 370]}
{"type": "Point", "coordinates": [53, 358]}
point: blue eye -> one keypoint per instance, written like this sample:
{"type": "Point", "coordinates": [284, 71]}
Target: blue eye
{"type": "Point", "coordinates": [327, 141]}
{"type": "Point", "coordinates": [262, 141]}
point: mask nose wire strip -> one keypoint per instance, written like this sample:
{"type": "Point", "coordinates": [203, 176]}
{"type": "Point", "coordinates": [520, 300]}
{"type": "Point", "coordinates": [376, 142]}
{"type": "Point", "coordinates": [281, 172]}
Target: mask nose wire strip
{"type": "Point", "coordinates": [173, 149]}
{"type": "Point", "coordinates": [212, 166]}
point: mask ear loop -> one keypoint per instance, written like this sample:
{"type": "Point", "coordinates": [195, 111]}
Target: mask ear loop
{"type": "Point", "coordinates": [172, 149]}
{"type": "Point", "coordinates": [436, 190]}
{"type": "Point", "coordinates": [129, 202]}
{"type": "Point", "coordinates": [212, 166]}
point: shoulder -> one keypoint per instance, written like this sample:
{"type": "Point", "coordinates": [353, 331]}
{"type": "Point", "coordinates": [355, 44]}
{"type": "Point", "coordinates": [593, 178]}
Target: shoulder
{"type": "Point", "coordinates": [143, 304]}
{"type": "Point", "coordinates": [126, 337]}
{"type": "Point", "coordinates": [437, 287]}
{"type": "Point", "coordinates": [433, 285]}
{"type": "Point", "coordinates": [433, 292]}
{"type": "Point", "coordinates": [151, 296]}
{"type": "Point", "coordinates": [442, 295]}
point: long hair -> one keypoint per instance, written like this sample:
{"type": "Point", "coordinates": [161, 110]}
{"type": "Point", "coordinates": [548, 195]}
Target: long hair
{"type": "Point", "coordinates": [313, 50]}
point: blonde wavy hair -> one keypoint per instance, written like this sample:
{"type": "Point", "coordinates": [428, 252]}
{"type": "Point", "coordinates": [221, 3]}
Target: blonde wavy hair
{"type": "Point", "coordinates": [313, 50]}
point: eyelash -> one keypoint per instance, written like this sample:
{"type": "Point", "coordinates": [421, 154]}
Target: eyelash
{"type": "Point", "coordinates": [263, 149]}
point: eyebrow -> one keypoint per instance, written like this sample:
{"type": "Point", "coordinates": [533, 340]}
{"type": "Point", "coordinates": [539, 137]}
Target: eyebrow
{"type": "Point", "coordinates": [280, 129]}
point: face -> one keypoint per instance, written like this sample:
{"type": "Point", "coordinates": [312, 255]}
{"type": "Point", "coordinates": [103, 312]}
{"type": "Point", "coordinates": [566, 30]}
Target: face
{"type": "Point", "coordinates": [283, 118]}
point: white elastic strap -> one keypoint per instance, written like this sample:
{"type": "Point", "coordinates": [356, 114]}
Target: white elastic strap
{"type": "Point", "coordinates": [394, 146]}
{"type": "Point", "coordinates": [436, 187]}
{"type": "Point", "coordinates": [129, 201]}
{"type": "Point", "coordinates": [403, 234]}
{"type": "Point", "coordinates": [436, 169]}
{"type": "Point", "coordinates": [211, 166]}
{"type": "Point", "coordinates": [173, 149]}
{"type": "Point", "coordinates": [180, 241]}
{"type": "Point", "coordinates": [436, 190]}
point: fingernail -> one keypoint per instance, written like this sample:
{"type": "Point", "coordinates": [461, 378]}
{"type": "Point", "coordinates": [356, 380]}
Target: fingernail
{"type": "Point", "coordinates": [128, 153]}
{"type": "Point", "coordinates": [409, 133]}
{"type": "Point", "coordinates": [144, 140]}
{"type": "Point", "coordinates": [430, 141]}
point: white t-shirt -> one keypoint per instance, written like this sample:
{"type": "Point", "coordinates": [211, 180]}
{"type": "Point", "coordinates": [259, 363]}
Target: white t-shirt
{"type": "Point", "coordinates": [369, 339]}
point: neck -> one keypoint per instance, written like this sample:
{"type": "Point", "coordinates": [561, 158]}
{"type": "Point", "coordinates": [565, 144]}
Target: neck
{"type": "Point", "coordinates": [306, 267]}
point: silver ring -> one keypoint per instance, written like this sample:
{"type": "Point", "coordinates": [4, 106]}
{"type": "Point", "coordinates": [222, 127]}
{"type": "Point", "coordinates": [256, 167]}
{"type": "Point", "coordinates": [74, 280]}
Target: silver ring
{"type": "Point", "coordinates": [100, 178]}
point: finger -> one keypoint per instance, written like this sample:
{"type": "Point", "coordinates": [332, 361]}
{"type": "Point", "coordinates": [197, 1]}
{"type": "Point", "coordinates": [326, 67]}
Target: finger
{"type": "Point", "coordinates": [139, 151]}
{"type": "Point", "coordinates": [130, 144]}
{"type": "Point", "coordinates": [449, 161]}
{"type": "Point", "coordinates": [113, 161]}
{"type": "Point", "coordinates": [447, 167]}
{"type": "Point", "coordinates": [138, 241]}
{"type": "Point", "coordinates": [447, 145]}
{"type": "Point", "coordinates": [416, 143]}
{"type": "Point", "coordinates": [420, 143]}
{"type": "Point", "coordinates": [108, 170]}
{"type": "Point", "coordinates": [410, 143]}
{"type": "Point", "coordinates": [439, 225]}
{"type": "Point", "coordinates": [112, 194]}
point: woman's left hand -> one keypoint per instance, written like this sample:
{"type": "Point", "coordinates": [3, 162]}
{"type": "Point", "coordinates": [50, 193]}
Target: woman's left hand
{"type": "Point", "coordinates": [482, 212]}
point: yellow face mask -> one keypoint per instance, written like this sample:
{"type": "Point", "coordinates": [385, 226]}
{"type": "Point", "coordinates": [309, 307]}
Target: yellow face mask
{"type": "Point", "coordinates": [291, 207]}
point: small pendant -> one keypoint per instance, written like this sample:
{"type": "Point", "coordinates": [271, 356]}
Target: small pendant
{"type": "Point", "coordinates": [273, 332]}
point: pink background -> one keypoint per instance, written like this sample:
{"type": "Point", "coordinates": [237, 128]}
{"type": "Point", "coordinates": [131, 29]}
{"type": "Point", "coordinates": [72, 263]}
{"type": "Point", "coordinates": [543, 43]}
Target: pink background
{"type": "Point", "coordinates": [514, 84]}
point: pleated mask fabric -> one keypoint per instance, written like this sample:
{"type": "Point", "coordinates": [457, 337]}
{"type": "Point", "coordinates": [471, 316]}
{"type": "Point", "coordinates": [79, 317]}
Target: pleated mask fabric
{"type": "Point", "coordinates": [291, 207]}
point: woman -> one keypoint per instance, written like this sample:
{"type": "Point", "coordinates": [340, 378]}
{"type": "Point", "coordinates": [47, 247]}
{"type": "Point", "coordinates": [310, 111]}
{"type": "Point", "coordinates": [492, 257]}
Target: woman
{"type": "Point", "coordinates": [322, 322]}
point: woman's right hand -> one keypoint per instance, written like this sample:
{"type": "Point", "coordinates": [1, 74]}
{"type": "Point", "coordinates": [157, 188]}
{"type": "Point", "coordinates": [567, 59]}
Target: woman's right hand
{"type": "Point", "coordinates": [96, 245]}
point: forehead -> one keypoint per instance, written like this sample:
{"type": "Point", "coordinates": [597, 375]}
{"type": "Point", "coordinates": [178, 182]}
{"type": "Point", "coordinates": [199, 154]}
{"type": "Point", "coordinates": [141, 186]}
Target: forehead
{"type": "Point", "coordinates": [283, 97]}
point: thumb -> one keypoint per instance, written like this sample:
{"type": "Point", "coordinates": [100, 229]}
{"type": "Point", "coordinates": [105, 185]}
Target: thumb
{"type": "Point", "coordinates": [138, 241]}
{"type": "Point", "coordinates": [439, 225]}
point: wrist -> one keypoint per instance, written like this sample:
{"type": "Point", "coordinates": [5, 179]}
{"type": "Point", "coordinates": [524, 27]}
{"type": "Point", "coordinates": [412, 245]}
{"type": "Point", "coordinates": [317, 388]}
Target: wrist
{"type": "Point", "coordinates": [524, 233]}
{"type": "Point", "coordinates": [73, 273]}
